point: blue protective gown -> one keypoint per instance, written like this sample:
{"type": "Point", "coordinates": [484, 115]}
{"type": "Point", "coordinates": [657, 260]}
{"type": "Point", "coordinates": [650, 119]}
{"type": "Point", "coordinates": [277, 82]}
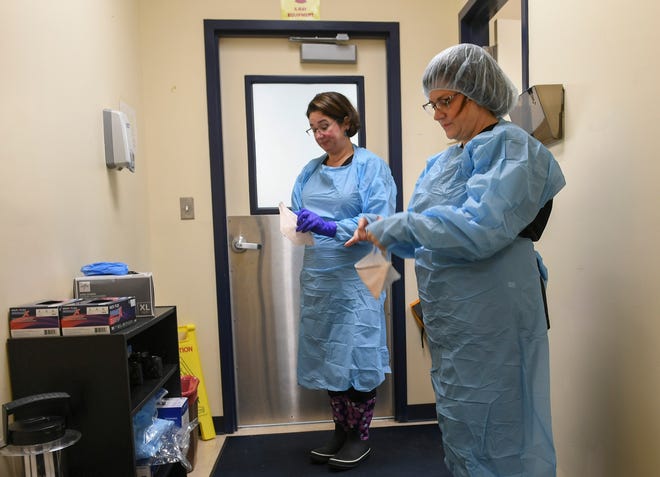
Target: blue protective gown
{"type": "Point", "coordinates": [342, 336]}
{"type": "Point", "coordinates": [479, 287]}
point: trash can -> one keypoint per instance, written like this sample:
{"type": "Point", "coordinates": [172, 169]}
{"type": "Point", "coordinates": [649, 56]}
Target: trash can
{"type": "Point", "coordinates": [35, 431]}
{"type": "Point", "coordinates": [189, 390]}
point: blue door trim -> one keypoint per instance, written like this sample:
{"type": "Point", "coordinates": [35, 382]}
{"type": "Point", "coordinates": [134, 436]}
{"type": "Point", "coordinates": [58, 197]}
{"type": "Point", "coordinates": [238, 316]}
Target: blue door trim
{"type": "Point", "coordinates": [473, 22]}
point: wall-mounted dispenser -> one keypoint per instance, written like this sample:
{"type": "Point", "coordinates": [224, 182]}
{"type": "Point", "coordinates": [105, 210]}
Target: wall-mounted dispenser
{"type": "Point", "coordinates": [119, 149]}
{"type": "Point", "coordinates": [540, 112]}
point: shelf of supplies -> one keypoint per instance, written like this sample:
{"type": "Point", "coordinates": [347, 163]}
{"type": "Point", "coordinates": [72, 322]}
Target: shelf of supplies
{"type": "Point", "coordinates": [94, 371]}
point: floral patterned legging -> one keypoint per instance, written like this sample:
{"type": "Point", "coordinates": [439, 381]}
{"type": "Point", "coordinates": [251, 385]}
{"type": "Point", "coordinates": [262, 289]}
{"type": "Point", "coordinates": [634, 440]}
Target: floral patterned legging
{"type": "Point", "coordinates": [353, 409]}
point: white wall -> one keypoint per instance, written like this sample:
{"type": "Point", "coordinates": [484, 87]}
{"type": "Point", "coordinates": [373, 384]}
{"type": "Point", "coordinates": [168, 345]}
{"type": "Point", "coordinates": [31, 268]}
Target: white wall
{"type": "Point", "coordinates": [602, 242]}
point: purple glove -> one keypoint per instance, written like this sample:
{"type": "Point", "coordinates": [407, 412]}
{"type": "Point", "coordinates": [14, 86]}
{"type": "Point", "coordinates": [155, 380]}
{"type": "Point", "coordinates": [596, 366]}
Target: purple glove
{"type": "Point", "coordinates": [308, 221]}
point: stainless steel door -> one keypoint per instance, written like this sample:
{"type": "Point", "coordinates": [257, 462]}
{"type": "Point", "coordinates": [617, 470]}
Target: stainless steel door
{"type": "Point", "coordinates": [264, 271]}
{"type": "Point", "coordinates": [264, 282]}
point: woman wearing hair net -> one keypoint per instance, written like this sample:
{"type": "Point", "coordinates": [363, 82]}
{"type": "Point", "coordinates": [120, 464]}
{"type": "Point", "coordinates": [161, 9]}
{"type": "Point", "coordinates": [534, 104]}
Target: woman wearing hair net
{"type": "Point", "coordinates": [476, 209]}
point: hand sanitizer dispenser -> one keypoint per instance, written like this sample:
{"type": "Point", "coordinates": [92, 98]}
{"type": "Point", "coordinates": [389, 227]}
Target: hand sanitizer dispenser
{"type": "Point", "coordinates": [119, 150]}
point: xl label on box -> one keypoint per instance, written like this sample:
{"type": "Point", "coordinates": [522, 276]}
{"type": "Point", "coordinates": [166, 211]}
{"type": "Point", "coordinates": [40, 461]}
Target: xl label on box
{"type": "Point", "coordinates": [139, 285]}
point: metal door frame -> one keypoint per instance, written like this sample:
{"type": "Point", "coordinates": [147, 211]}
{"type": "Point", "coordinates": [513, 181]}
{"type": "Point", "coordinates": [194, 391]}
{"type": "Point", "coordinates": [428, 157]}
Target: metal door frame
{"type": "Point", "coordinates": [474, 23]}
{"type": "Point", "coordinates": [213, 31]}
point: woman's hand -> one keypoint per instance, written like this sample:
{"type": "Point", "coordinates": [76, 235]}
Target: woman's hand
{"type": "Point", "coordinates": [362, 235]}
{"type": "Point", "coordinates": [308, 221]}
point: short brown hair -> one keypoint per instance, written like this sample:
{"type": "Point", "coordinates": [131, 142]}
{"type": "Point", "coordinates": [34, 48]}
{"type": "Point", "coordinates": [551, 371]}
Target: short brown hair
{"type": "Point", "coordinates": [337, 106]}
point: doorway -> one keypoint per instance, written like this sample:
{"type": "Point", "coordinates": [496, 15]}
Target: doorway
{"type": "Point", "coordinates": [215, 30]}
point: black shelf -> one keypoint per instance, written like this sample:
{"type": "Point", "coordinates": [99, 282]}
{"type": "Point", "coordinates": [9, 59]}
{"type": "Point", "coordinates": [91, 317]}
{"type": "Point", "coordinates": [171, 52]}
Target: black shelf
{"type": "Point", "coordinates": [94, 371]}
{"type": "Point", "coordinates": [161, 313]}
{"type": "Point", "coordinates": [142, 393]}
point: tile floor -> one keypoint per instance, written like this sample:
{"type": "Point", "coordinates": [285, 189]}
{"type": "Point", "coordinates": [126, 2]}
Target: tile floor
{"type": "Point", "coordinates": [207, 451]}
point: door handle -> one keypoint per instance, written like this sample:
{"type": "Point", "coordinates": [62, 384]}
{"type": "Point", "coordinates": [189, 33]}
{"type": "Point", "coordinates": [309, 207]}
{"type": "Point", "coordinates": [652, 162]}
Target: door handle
{"type": "Point", "coordinates": [239, 245]}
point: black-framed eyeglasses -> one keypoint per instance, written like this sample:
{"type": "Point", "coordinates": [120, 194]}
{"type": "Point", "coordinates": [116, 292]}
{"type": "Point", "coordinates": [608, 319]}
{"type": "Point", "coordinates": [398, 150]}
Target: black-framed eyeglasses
{"type": "Point", "coordinates": [439, 105]}
{"type": "Point", "coordinates": [322, 128]}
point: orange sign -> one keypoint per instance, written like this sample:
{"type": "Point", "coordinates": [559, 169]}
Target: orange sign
{"type": "Point", "coordinates": [300, 9]}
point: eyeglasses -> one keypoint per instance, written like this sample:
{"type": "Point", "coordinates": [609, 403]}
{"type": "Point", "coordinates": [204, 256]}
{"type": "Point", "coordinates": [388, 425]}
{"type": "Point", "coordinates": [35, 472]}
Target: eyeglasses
{"type": "Point", "coordinates": [440, 105]}
{"type": "Point", "coordinates": [322, 128]}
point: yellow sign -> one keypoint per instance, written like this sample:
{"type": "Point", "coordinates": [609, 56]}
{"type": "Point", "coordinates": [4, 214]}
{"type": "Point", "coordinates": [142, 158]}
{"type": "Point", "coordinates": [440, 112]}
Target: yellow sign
{"type": "Point", "coordinates": [190, 365]}
{"type": "Point", "coordinates": [300, 9]}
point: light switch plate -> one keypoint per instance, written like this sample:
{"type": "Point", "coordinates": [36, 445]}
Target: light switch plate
{"type": "Point", "coordinates": [187, 206]}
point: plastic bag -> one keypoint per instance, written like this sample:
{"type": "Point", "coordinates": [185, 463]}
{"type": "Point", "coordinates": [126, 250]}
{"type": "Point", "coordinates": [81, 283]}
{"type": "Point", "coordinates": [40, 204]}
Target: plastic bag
{"type": "Point", "coordinates": [151, 439]}
{"type": "Point", "coordinates": [376, 272]}
{"type": "Point", "coordinates": [288, 224]}
{"type": "Point", "coordinates": [148, 429]}
{"type": "Point", "coordinates": [174, 446]}
{"type": "Point", "coordinates": [160, 441]}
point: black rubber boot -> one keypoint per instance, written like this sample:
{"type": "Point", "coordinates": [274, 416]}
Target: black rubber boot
{"type": "Point", "coordinates": [320, 455]}
{"type": "Point", "coordinates": [352, 453]}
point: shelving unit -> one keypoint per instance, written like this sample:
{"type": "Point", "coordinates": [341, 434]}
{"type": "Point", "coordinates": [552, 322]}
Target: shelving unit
{"type": "Point", "coordinates": [94, 371]}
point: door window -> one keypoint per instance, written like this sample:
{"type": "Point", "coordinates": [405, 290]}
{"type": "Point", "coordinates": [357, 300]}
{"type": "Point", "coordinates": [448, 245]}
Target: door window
{"type": "Point", "coordinates": [278, 146]}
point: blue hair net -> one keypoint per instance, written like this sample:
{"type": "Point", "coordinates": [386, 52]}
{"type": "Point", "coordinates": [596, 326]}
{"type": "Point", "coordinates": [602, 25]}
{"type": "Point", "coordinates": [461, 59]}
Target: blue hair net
{"type": "Point", "coordinates": [470, 70]}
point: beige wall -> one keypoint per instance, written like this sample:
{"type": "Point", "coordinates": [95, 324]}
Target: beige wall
{"type": "Point", "coordinates": [64, 62]}
{"type": "Point", "coordinates": [602, 245]}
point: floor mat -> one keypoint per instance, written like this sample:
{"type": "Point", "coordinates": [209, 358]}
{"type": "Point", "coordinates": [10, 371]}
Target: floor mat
{"type": "Point", "coordinates": [396, 451]}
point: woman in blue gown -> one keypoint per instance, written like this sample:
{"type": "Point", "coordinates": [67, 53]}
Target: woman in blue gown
{"type": "Point", "coordinates": [471, 222]}
{"type": "Point", "coordinates": [342, 345]}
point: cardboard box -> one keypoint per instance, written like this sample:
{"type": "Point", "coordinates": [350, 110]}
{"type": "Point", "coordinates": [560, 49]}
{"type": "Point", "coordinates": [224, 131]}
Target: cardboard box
{"type": "Point", "coordinates": [99, 316]}
{"type": "Point", "coordinates": [174, 409]}
{"type": "Point", "coordinates": [139, 285]}
{"type": "Point", "coordinates": [37, 319]}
